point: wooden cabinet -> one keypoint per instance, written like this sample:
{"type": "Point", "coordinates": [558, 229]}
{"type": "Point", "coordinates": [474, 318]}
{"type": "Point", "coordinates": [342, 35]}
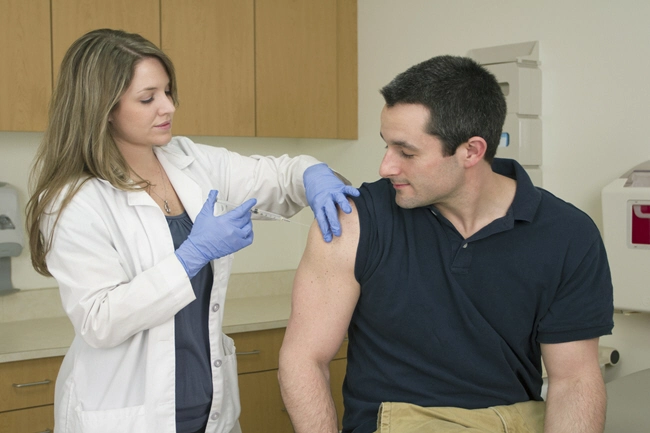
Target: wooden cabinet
{"type": "Point", "coordinates": [262, 406]}
{"type": "Point", "coordinates": [27, 394]}
{"type": "Point", "coordinates": [266, 68]}
{"type": "Point", "coordinates": [37, 419]}
{"type": "Point", "coordinates": [37, 33]}
{"type": "Point", "coordinates": [25, 68]}
{"type": "Point", "coordinates": [73, 18]}
{"type": "Point", "coordinates": [212, 45]}
{"type": "Point", "coordinates": [306, 75]}
{"type": "Point", "coordinates": [257, 364]}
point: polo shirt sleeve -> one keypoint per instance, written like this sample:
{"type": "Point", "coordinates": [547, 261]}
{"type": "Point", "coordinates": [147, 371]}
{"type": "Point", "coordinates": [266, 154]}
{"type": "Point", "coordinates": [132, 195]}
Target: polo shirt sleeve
{"type": "Point", "coordinates": [582, 307]}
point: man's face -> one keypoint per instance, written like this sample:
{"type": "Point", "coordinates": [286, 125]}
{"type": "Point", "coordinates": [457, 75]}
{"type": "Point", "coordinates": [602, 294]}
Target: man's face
{"type": "Point", "coordinates": [414, 160]}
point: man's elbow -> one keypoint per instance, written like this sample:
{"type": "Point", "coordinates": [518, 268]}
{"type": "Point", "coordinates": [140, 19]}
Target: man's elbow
{"type": "Point", "coordinates": [285, 363]}
{"type": "Point", "coordinates": [290, 370]}
{"type": "Point", "coordinates": [295, 362]}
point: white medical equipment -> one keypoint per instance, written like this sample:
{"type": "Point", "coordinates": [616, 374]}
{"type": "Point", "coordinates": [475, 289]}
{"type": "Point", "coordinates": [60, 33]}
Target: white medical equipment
{"type": "Point", "coordinates": [516, 67]}
{"type": "Point", "coordinates": [626, 225]}
{"type": "Point", "coordinates": [11, 234]}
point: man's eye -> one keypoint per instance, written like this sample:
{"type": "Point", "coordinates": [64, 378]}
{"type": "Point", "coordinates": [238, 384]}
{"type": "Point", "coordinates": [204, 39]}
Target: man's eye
{"type": "Point", "coordinates": [406, 155]}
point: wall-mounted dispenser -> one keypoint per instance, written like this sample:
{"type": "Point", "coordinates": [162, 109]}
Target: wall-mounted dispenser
{"type": "Point", "coordinates": [626, 226]}
{"type": "Point", "coordinates": [11, 234]}
{"type": "Point", "coordinates": [516, 67]}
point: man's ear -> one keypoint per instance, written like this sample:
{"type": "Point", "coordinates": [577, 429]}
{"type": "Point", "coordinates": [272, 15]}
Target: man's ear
{"type": "Point", "coordinates": [475, 149]}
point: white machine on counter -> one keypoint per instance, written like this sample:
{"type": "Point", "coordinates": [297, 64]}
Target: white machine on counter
{"type": "Point", "coordinates": [11, 234]}
{"type": "Point", "coordinates": [626, 226]}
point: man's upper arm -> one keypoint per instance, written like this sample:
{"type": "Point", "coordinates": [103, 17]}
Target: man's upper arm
{"type": "Point", "coordinates": [566, 360]}
{"type": "Point", "coordinates": [325, 292]}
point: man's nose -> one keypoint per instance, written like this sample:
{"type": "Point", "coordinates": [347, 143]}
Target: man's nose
{"type": "Point", "coordinates": [389, 166]}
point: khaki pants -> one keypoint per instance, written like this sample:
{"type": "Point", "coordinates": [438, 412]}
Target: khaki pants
{"type": "Point", "coordinates": [526, 417]}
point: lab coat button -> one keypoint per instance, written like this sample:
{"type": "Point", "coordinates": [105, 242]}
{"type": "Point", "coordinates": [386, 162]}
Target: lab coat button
{"type": "Point", "coordinates": [217, 363]}
{"type": "Point", "coordinates": [215, 307]}
{"type": "Point", "coordinates": [215, 415]}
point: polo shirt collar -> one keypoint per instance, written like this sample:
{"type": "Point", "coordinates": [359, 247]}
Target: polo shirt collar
{"type": "Point", "coordinates": [527, 196]}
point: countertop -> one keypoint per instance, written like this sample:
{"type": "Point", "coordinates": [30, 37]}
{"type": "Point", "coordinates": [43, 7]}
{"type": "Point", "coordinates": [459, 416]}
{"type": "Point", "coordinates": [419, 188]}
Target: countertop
{"type": "Point", "coordinates": [627, 403]}
{"type": "Point", "coordinates": [41, 338]}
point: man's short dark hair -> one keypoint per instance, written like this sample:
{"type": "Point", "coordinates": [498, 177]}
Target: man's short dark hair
{"type": "Point", "coordinates": [464, 100]}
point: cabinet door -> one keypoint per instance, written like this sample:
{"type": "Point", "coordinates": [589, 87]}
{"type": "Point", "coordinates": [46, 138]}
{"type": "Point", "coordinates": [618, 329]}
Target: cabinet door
{"type": "Point", "coordinates": [306, 68]}
{"type": "Point", "coordinates": [211, 43]}
{"type": "Point", "coordinates": [262, 409]}
{"type": "Point", "coordinates": [347, 57]}
{"type": "Point", "coordinates": [73, 18]}
{"type": "Point", "coordinates": [25, 68]}
{"type": "Point", "coordinates": [37, 419]}
{"type": "Point", "coordinates": [296, 68]}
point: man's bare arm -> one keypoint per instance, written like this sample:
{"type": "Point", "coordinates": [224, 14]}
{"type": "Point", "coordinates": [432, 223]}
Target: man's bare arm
{"type": "Point", "coordinates": [576, 400]}
{"type": "Point", "coordinates": [325, 293]}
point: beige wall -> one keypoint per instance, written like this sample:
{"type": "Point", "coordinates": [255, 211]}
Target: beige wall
{"type": "Point", "coordinates": [595, 95]}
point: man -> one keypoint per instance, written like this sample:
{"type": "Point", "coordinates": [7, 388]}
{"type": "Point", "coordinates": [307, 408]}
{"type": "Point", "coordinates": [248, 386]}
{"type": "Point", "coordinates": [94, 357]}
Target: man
{"type": "Point", "coordinates": [453, 278]}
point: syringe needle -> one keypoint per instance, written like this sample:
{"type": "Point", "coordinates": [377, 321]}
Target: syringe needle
{"type": "Point", "coordinates": [261, 212]}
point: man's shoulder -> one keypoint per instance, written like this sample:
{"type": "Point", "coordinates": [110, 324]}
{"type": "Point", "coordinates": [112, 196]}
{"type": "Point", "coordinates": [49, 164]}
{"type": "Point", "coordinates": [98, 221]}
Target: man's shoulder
{"type": "Point", "coordinates": [379, 192]}
{"type": "Point", "coordinates": [565, 216]}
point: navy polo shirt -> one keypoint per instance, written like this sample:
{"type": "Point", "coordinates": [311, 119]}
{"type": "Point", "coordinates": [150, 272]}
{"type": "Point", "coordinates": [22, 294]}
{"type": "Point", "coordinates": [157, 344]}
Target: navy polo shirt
{"type": "Point", "coordinates": [448, 321]}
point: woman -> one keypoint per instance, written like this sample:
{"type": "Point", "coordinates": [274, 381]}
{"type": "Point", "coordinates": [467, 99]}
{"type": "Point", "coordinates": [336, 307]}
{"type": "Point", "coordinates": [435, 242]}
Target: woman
{"type": "Point", "coordinates": [119, 217]}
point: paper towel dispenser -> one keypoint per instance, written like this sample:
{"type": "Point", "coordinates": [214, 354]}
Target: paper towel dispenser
{"type": "Point", "coordinates": [11, 234]}
{"type": "Point", "coordinates": [516, 67]}
{"type": "Point", "coordinates": [626, 226]}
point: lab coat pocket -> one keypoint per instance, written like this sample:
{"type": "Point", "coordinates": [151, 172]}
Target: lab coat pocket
{"type": "Point", "coordinates": [231, 407]}
{"type": "Point", "coordinates": [128, 419]}
{"type": "Point", "coordinates": [228, 345]}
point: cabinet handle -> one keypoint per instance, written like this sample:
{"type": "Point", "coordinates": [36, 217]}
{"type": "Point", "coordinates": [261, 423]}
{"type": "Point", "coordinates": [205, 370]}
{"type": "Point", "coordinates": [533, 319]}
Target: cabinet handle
{"type": "Point", "coordinates": [45, 431]}
{"type": "Point", "coordinates": [25, 385]}
{"type": "Point", "coordinates": [252, 352]}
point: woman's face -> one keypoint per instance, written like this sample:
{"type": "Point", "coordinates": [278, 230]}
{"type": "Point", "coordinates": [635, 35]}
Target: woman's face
{"type": "Point", "coordinates": [143, 116]}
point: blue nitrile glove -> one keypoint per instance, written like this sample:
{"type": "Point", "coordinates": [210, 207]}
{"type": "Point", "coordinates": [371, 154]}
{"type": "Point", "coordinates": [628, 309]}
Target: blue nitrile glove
{"type": "Point", "coordinates": [324, 191]}
{"type": "Point", "coordinates": [213, 237]}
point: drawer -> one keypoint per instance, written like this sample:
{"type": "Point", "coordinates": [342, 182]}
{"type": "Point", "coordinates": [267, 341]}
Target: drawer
{"type": "Point", "coordinates": [262, 408]}
{"type": "Point", "coordinates": [34, 420]}
{"type": "Point", "coordinates": [258, 350]}
{"type": "Point", "coordinates": [28, 383]}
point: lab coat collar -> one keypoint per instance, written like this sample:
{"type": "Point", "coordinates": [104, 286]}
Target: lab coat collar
{"type": "Point", "coordinates": [188, 190]}
{"type": "Point", "coordinates": [174, 156]}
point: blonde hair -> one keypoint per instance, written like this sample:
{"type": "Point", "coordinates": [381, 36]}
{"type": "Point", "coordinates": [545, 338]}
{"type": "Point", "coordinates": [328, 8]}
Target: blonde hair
{"type": "Point", "coordinates": [77, 144]}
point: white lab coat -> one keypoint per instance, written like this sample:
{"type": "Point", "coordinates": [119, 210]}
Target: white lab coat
{"type": "Point", "coordinates": [121, 285]}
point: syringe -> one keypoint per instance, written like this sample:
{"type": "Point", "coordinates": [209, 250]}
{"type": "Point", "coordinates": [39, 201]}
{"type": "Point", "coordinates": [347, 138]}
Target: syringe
{"type": "Point", "coordinates": [261, 212]}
